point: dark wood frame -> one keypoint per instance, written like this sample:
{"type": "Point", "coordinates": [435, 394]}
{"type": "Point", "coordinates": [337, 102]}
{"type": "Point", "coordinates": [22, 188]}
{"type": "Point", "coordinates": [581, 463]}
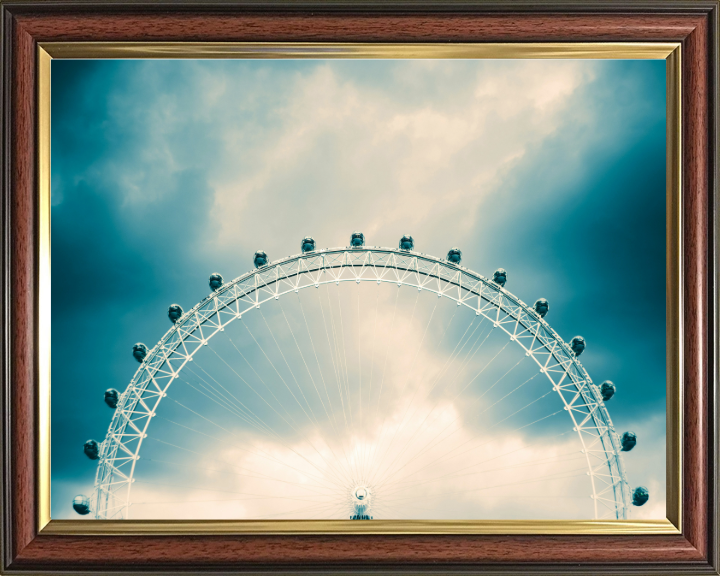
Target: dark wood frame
{"type": "Point", "coordinates": [693, 23]}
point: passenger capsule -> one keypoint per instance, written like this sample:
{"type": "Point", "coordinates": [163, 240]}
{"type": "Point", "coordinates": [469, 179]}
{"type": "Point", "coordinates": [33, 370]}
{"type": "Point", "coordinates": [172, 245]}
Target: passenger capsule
{"type": "Point", "coordinates": [357, 239]}
{"type": "Point", "coordinates": [307, 244]}
{"type": "Point", "coordinates": [541, 307]}
{"type": "Point", "coordinates": [140, 351]}
{"type": "Point", "coordinates": [640, 495]}
{"type": "Point", "coordinates": [407, 242]}
{"type": "Point", "coordinates": [454, 256]}
{"type": "Point", "coordinates": [607, 390]}
{"type": "Point", "coordinates": [111, 397]}
{"type": "Point", "coordinates": [577, 345]}
{"type": "Point", "coordinates": [500, 276]}
{"type": "Point", "coordinates": [81, 504]}
{"type": "Point", "coordinates": [260, 259]}
{"type": "Point", "coordinates": [216, 280]}
{"type": "Point", "coordinates": [628, 441]}
{"type": "Point", "coordinates": [92, 449]}
{"type": "Point", "coordinates": [175, 312]}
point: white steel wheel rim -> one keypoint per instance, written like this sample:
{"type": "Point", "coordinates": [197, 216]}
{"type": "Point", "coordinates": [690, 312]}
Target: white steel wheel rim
{"type": "Point", "coordinates": [581, 398]}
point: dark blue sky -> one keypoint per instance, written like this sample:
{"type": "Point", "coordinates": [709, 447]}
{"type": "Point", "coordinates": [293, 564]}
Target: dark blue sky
{"type": "Point", "coordinates": [166, 171]}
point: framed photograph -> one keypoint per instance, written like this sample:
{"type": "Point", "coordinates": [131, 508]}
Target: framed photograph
{"type": "Point", "coordinates": [360, 288]}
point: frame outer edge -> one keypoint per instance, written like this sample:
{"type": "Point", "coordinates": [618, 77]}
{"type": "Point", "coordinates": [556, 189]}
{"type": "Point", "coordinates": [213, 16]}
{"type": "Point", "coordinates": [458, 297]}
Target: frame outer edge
{"type": "Point", "coordinates": [5, 74]}
{"type": "Point", "coordinates": [713, 320]}
{"type": "Point", "coordinates": [22, 291]}
{"type": "Point", "coordinates": [375, 6]}
{"type": "Point", "coordinates": [714, 267]}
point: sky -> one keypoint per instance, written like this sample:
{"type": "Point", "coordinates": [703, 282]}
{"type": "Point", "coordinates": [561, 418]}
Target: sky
{"type": "Point", "coordinates": [166, 171]}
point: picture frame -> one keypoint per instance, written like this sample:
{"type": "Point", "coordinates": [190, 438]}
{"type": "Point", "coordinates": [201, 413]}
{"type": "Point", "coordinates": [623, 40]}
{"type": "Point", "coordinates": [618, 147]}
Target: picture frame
{"type": "Point", "coordinates": [34, 32]}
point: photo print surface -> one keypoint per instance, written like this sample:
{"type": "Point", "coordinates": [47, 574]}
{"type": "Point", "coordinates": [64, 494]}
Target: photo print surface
{"type": "Point", "coordinates": [358, 289]}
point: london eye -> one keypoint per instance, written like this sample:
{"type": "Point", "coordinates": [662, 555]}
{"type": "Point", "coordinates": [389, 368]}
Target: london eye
{"type": "Point", "coordinates": [360, 383]}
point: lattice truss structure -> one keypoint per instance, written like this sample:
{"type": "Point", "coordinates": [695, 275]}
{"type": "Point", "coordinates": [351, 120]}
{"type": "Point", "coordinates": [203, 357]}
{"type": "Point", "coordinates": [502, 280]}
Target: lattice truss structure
{"type": "Point", "coordinates": [582, 400]}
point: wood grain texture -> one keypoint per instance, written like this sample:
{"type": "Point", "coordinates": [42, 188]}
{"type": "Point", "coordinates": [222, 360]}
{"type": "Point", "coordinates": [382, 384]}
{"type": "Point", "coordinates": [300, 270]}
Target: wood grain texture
{"type": "Point", "coordinates": [219, 552]}
{"type": "Point", "coordinates": [320, 27]}
{"type": "Point", "coordinates": [695, 237]}
{"type": "Point", "coordinates": [22, 292]}
{"type": "Point", "coordinates": [690, 23]}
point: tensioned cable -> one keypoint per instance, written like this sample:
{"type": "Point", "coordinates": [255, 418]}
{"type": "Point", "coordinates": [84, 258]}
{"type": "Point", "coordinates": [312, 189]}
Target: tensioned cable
{"type": "Point", "coordinates": [407, 379]}
{"type": "Point", "coordinates": [200, 501]}
{"type": "Point", "coordinates": [369, 451]}
{"type": "Point", "coordinates": [456, 418]}
{"type": "Point", "coordinates": [382, 429]}
{"type": "Point", "coordinates": [312, 379]}
{"type": "Point", "coordinates": [341, 369]}
{"type": "Point", "coordinates": [304, 473]}
{"type": "Point", "coordinates": [453, 356]}
{"type": "Point", "coordinates": [230, 408]}
{"type": "Point", "coordinates": [481, 445]}
{"type": "Point", "coordinates": [286, 385]}
{"type": "Point", "coordinates": [271, 432]}
{"type": "Point", "coordinates": [470, 354]}
{"type": "Point", "coordinates": [363, 447]}
{"type": "Point", "coordinates": [208, 386]}
{"type": "Point", "coordinates": [385, 365]}
{"type": "Point", "coordinates": [307, 368]}
{"type": "Point", "coordinates": [262, 380]}
{"type": "Point", "coordinates": [332, 359]}
{"type": "Point", "coordinates": [387, 353]}
{"type": "Point", "coordinates": [504, 485]}
{"type": "Point", "coordinates": [317, 360]}
{"type": "Point", "coordinates": [552, 476]}
{"type": "Point", "coordinates": [447, 454]}
{"type": "Point", "coordinates": [303, 457]}
{"type": "Point", "coordinates": [344, 348]}
{"type": "Point", "coordinates": [511, 391]}
{"type": "Point", "coordinates": [359, 347]}
{"type": "Point", "coordinates": [212, 393]}
{"type": "Point", "coordinates": [253, 389]}
{"type": "Point", "coordinates": [239, 402]}
{"type": "Point", "coordinates": [249, 499]}
{"type": "Point", "coordinates": [486, 409]}
{"type": "Point", "coordinates": [334, 419]}
{"type": "Point", "coordinates": [372, 364]}
{"type": "Point", "coordinates": [272, 334]}
{"type": "Point", "coordinates": [242, 379]}
{"type": "Point", "coordinates": [295, 511]}
{"type": "Point", "coordinates": [367, 458]}
{"type": "Point", "coordinates": [261, 477]}
{"type": "Point", "coordinates": [488, 364]}
{"type": "Point", "coordinates": [272, 365]}
{"type": "Point", "coordinates": [258, 450]}
{"type": "Point", "coordinates": [386, 471]}
{"type": "Point", "coordinates": [399, 486]}
{"type": "Point", "coordinates": [227, 491]}
{"type": "Point", "coordinates": [414, 436]}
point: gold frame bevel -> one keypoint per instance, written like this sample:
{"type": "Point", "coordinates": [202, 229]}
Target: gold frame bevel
{"type": "Point", "coordinates": [668, 51]}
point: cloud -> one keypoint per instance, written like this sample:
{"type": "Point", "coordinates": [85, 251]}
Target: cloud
{"type": "Point", "coordinates": [338, 143]}
{"type": "Point", "coordinates": [185, 168]}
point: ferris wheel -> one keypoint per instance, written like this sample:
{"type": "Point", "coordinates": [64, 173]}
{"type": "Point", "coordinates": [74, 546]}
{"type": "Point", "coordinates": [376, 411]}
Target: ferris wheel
{"type": "Point", "coordinates": [359, 382]}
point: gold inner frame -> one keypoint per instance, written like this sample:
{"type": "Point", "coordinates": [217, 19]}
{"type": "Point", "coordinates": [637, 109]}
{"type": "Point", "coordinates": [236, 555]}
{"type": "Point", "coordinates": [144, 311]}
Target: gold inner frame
{"type": "Point", "coordinates": [670, 52]}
